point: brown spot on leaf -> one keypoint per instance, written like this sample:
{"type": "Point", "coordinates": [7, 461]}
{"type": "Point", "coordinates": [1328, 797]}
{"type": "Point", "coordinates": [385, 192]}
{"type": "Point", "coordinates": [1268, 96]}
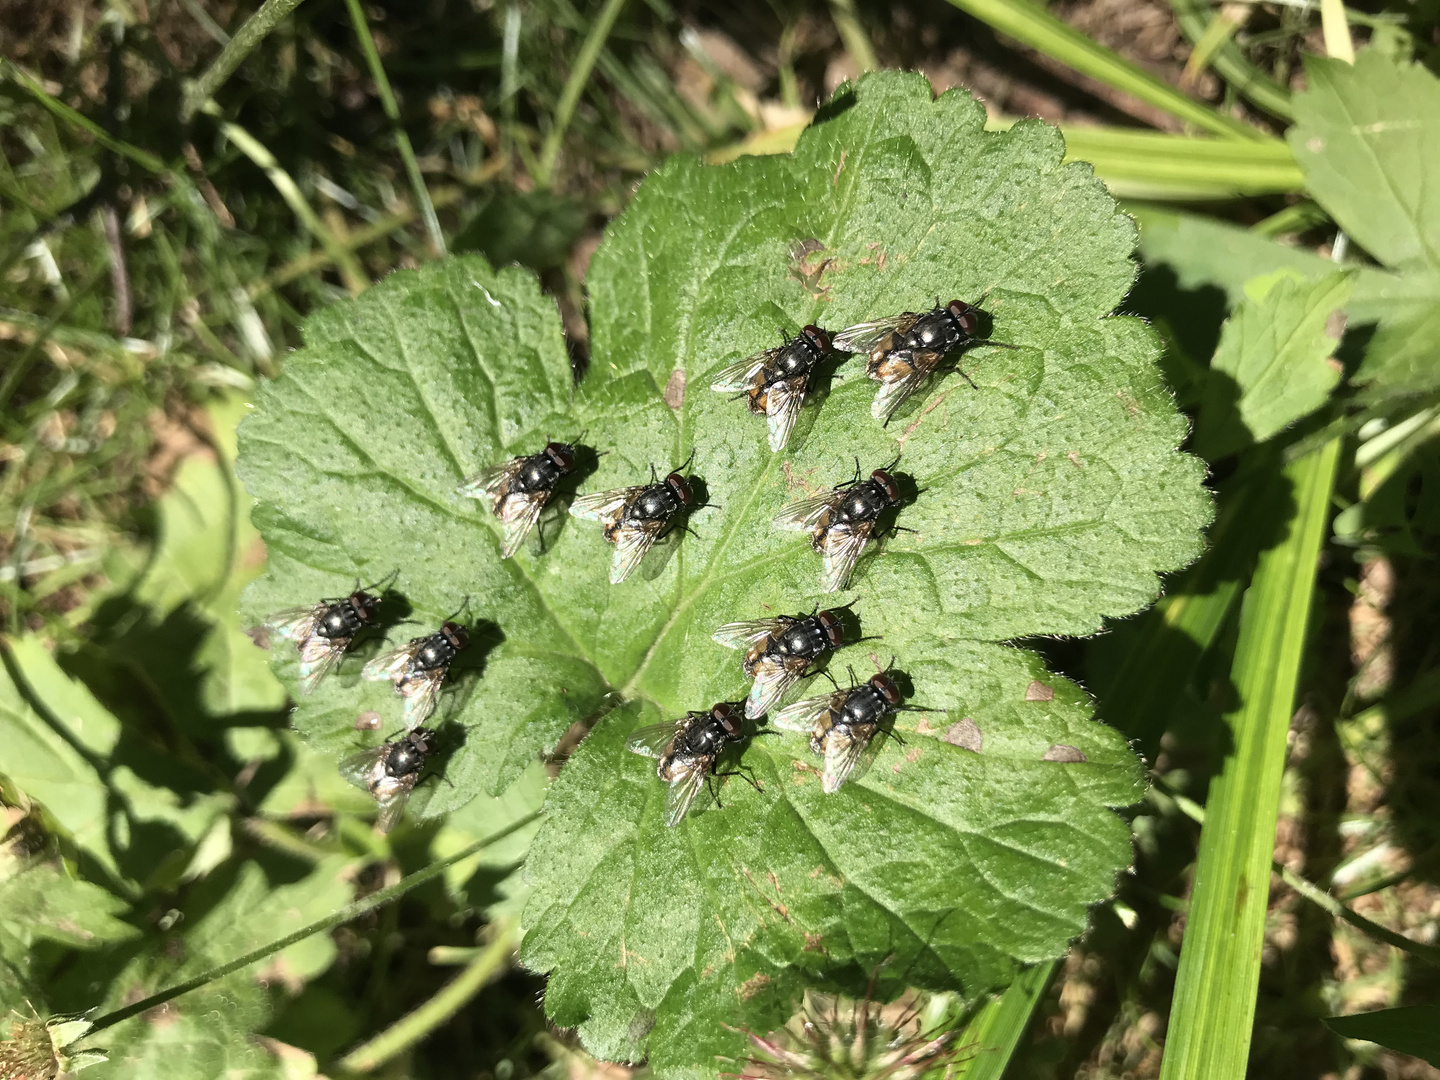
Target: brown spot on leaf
{"type": "Point", "coordinates": [814, 943]}
{"type": "Point", "coordinates": [1074, 456]}
{"type": "Point", "coordinates": [1061, 752]}
{"type": "Point", "coordinates": [752, 986]}
{"type": "Point", "coordinates": [1038, 691]}
{"type": "Point", "coordinates": [965, 733]}
{"type": "Point", "coordinates": [675, 389]}
{"type": "Point", "coordinates": [367, 721]}
{"type": "Point", "coordinates": [807, 267]}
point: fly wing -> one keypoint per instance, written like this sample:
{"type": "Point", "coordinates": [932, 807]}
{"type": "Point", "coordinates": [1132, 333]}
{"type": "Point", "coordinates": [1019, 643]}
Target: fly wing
{"type": "Point", "coordinates": [654, 740]}
{"type": "Point", "coordinates": [392, 801]}
{"type": "Point", "coordinates": [803, 515]}
{"type": "Point", "coordinates": [846, 748]}
{"type": "Point", "coordinates": [802, 715]}
{"type": "Point", "coordinates": [740, 635]}
{"type": "Point", "coordinates": [867, 336]}
{"type": "Point", "coordinates": [772, 679]}
{"type": "Point", "coordinates": [357, 767]}
{"type": "Point", "coordinates": [487, 482]}
{"type": "Point", "coordinates": [782, 407]}
{"type": "Point", "coordinates": [421, 691]}
{"type": "Point", "coordinates": [318, 657]}
{"type": "Point", "coordinates": [295, 624]}
{"type": "Point", "coordinates": [740, 376]}
{"type": "Point", "coordinates": [631, 544]}
{"type": "Point", "coordinates": [603, 505]}
{"type": "Point", "coordinates": [519, 513]}
{"type": "Point", "coordinates": [840, 549]}
{"type": "Point", "coordinates": [393, 664]}
{"type": "Point", "coordinates": [683, 790]}
{"type": "Point", "coordinates": [896, 390]}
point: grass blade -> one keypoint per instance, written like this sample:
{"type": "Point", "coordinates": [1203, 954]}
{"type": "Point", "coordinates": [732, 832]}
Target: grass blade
{"type": "Point", "coordinates": [402, 140]}
{"type": "Point", "coordinates": [574, 87]}
{"type": "Point", "coordinates": [1033, 26]}
{"type": "Point", "coordinates": [857, 42]}
{"type": "Point", "coordinates": [31, 86]}
{"type": "Point", "coordinates": [992, 1036]}
{"type": "Point", "coordinates": [270, 15]}
{"type": "Point", "coordinates": [1230, 63]}
{"type": "Point", "coordinates": [1216, 985]}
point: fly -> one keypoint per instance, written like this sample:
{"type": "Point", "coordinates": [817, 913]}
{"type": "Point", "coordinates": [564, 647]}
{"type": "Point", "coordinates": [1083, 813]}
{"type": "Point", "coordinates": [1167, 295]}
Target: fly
{"type": "Point", "coordinates": [907, 349]}
{"type": "Point", "coordinates": [779, 652]}
{"type": "Point", "coordinates": [519, 489]}
{"type": "Point", "coordinates": [776, 381]}
{"type": "Point", "coordinates": [635, 517]}
{"type": "Point", "coordinates": [688, 750]}
{"type": "Point", "coordinates": [841, 521]}
{"type": "Point", "coordinates": [323, 632]}
{"type": "Point", "coordinates": [841, 725]}
{"type": "Point", "coordinates": [389, 771]}
{"type": "Point", "coordinates": [418, 669]}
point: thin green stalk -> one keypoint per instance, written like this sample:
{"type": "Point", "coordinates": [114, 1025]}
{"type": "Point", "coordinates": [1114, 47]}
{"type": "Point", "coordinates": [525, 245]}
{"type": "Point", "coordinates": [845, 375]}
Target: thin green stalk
{"type": "Point", "coordinates": [453, 996]}
{"type": "Point", "coordinates": [1216, 985]}
{"type": "Point", "coordinates": [346, 914]}
{"type": "Point", "coordinates": [256, 28]}
{"type": "Point", "coordinates": [857, 42]}
{"type": "Point", "coordinates": [1034, 26]}
{"type": "Point", "coordinates": [143, 158]}
{"type": "Point", "coordinates": [1230, 63]}
{"type": "Point", "coordinates": [256, 151]}
{"type": "Point", "coordinates": [509, 84]}
{"type": "Point", "coordinates": [574, 87]}
{"type": "Point", "coordinates": [994, 1033]}
{"type": "Point", "coordinates": [402, 140]}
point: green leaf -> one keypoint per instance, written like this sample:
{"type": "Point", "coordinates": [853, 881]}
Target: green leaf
{"type": "Point", "coordinates": [1050, 497]}
{"type": "Point", "coordinates": [209, 1031]}
{"type": "Point", "coordinates": [1273, 364]}
{"type": "Point", "coordinates": [1414, 1029]}
{"type": "Point", "coordinates": [1367, 136]}
{"type": "Point", "coordinates": [40, 900]}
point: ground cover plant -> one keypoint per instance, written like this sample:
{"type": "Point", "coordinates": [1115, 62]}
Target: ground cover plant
{"type": "Point", "coordinates": [1110, 838]}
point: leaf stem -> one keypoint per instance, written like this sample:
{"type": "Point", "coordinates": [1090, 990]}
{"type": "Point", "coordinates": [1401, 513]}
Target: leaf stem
{"type": "Point", "coordinates": [344, 915]}
{"type": "Point", "coordinates": [402, 140]}
{"type": "Point", "coordinates": [255, 30]}
{"type": "Point", "coordinates": [453, 996]}
{"type": "Point", "coordinates": [574, 87]}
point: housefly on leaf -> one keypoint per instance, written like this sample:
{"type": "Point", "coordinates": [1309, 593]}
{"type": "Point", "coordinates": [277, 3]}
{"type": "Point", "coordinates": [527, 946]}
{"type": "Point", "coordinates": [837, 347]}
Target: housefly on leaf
{"type": "Point", "coordinates": [841, 521]}
{"type": "Point", "coordinates": [389, 771]}
{"type": "Point", "coordinates": [519, 489]}
{"type": "Point", "coordinates": [776, 381]}
{"type": "Point", "coordinates": [907, 349]}
{"type": "Point", "coordinates": [779, 651]}
{"type": "Point", "coordinates": [635, 517]}
{"type": "Point", "coordinates": [323, 632]}
{"type": "Point", "coordinates": [688, 749]}
{"type": "Point", "coordinates": [843, 724]}
{"type": "Point", "coordinates": [418, 669]}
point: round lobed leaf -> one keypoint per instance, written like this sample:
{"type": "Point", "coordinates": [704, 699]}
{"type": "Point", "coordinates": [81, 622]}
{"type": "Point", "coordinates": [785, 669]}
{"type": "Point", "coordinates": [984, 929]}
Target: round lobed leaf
{"type": "Point", "coordinates": [1049, 497]}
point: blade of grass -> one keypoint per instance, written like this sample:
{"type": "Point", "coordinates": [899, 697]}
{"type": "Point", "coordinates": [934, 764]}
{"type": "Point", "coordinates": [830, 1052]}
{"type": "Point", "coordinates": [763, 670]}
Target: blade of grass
{"type": "Point", "coordinates": [256, 28]}
{"type": "Point", "coordinates": [486, 966]}
{"type": "Point", "coordinates": [31, 86]}
{"type": "Point", "coordinates": [1336, 30]}
{"type": "Point", "coordinates": [1133, 164]}
{"type": "Point", "coordinates": [375, 900]}
{"type": "Point", "coordinates": [1216, 985]}
{"type": "Point", "coordinates": [256, 151]}
{"type": "Point", "coordinates": [857, 42]}
{"type": "Point", "coordinates": [1194, 17]}
{"type": "Point", "coordinates": [1034, 26]}
{"type": "Point", "coordinates": [402, 140]}
{"type": "Point", "coordinates": [994, 1033]}
{"type": "Point", "coordinates": [574, 87]}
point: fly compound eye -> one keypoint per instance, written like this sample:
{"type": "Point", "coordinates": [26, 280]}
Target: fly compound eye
{"type": "Point", "coordinates": [676, 483]}
{"type": "Point", "coordinates": [886, 685]}
{"type": "Point", "coordinates": [562, 455]}
{"type": "Point", "coordinates": [887, 482]}
{"type": "Point", "coordinates": [830, 626]}
{"type": "Point", "coordinates": [818, 336]}
{"type": "Point", "coordinates": [456, 634]}
{"type": "Point", "coordinates": [967, 316]}
{"type": "Point", "coordinates": [727, 717]}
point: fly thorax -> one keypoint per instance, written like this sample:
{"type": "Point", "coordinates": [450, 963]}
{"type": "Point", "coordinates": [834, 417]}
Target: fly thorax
{"type": "Point", "coordinates": [335, 623]}
{"type": "Point", "coordinates": [654, 504]}
{"type": "Point", "coordinates": [434, 653]}
{"type": "Point", "coordinates": [403, 761]}
{"type": "Point", "coordinates": [799, 640]}
{"type": "Point", "coordinates": [537, 474]}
